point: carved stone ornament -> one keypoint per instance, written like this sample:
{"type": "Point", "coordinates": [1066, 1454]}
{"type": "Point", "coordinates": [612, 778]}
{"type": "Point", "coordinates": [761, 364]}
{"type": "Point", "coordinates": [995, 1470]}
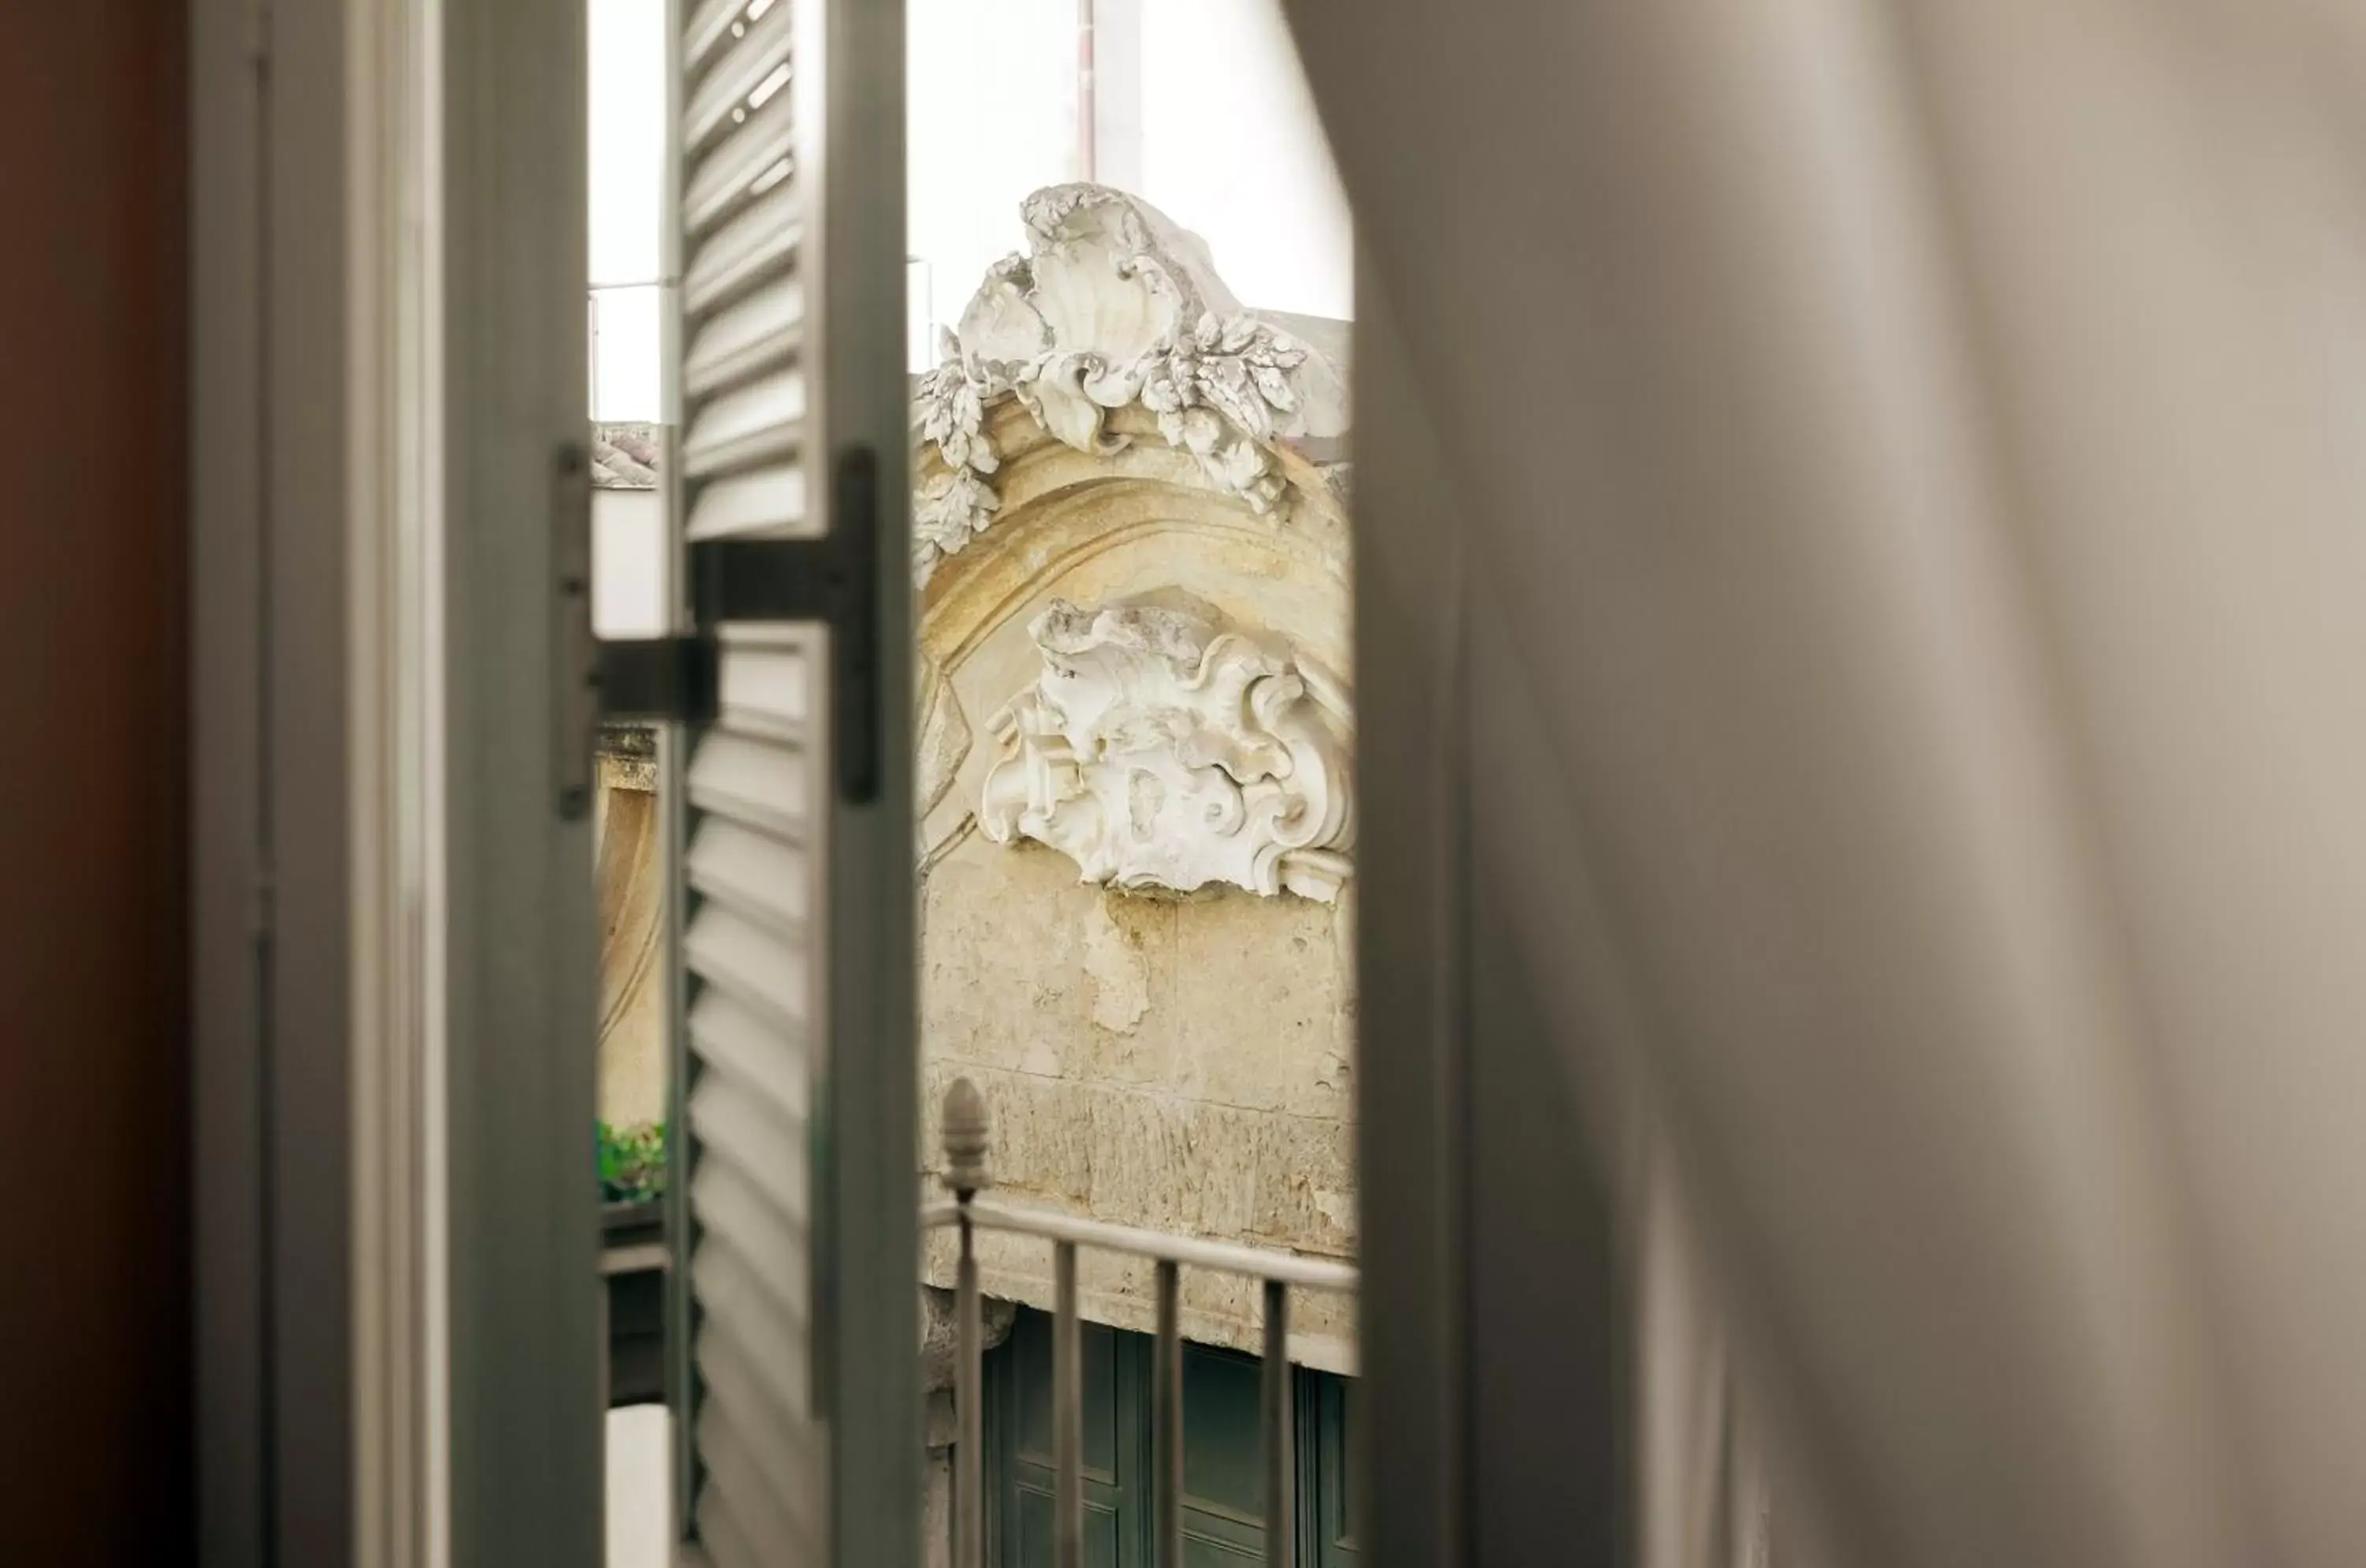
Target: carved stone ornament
{"type": "Point", "coordinates": [1156, 751]}
{"type": "Point", "coordinates": [1112, 305]}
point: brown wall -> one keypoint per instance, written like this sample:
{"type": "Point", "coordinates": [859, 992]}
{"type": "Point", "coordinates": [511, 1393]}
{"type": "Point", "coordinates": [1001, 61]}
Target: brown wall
{"type": "Point", "coordinates": [94, 1045]}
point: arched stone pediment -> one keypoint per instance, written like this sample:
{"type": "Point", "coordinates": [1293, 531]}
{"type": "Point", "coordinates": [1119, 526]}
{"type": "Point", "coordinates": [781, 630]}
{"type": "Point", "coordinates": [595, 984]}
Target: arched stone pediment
{"type": "Point", "coordinates": [1111, 434]}
{"type": "Point", "coordinates": [1113, 310]}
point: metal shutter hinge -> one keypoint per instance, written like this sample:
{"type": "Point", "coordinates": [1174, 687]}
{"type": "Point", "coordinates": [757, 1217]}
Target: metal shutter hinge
{"type": "Point", "coordinates": [666, 678]}
{"type": "Point", "coordinates": [574, 651]}
{"type": "Point", "coordinates": [833, 580]}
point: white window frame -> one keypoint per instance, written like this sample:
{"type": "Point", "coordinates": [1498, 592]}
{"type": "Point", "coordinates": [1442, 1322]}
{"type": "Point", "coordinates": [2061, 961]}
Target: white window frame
{"type": "Point", "coordinates": [395, 1218]}
{"type": "Point", "coordinates": [391, 920]}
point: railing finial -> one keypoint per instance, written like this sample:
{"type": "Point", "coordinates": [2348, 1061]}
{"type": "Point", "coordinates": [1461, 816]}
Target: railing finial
{"type": "Point", "coordinates": [966, 1139]}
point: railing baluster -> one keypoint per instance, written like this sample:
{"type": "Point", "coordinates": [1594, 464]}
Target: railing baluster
{"type": "Point", "coordinates": [968, 1169]}
{"type": "Point", "coordinates": [968, 1174]}
{"type": "Point", "coordinates": [969, 1397]}
{"type": "Point", "coordinates": [1280, 1453]}
{"type": "Point", "coordinates": [1068, 1414]}
{"type": "Point", "coordinates": [1167, 1417]}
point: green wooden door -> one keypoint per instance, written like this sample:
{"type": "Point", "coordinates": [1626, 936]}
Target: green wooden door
{"type": "Point", "coordinates": [1018, 1414]}
{"type": "Point", "coordinates": [1224, 1454]}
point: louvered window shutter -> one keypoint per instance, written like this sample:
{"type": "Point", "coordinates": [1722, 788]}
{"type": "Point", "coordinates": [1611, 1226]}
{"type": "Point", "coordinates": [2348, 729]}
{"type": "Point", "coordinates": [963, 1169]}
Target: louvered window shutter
{"type": "Point", "coordinates": [792, 1224]}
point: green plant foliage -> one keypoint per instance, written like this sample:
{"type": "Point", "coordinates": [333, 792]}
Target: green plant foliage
{"type": "Point", "coordinates": [632, 1162]}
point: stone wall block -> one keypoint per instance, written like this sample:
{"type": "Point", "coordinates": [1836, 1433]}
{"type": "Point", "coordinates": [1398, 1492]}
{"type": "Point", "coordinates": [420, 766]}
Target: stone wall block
{"type": "Point", "coordinates": [1306, 1187]}
{"type": "Point", "coordinates": [1266, 993]}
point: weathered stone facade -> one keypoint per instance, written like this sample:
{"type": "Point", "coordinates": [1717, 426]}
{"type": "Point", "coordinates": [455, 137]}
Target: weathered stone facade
{"type": "Point", "coordinates": [629, 829]}
{"type": "Point", "coordinates": [1176, 1057]}
{"type": "Point", "coordinates": [630, 881]}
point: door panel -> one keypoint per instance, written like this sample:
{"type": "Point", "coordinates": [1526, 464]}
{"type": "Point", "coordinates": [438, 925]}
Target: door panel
{"type": "Point", "coordinates": [1223, 1458]}
{"type": "Point", "coordinates": [1224, 1476]}
{"type": "Point", "coordinates": [1112, 1418]}
{"type": "Point", "coordinates": [1326, 1511]}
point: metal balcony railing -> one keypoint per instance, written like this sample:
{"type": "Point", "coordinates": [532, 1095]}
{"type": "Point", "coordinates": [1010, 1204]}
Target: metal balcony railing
{"type": "Point", "coordinates": [968, 1173]}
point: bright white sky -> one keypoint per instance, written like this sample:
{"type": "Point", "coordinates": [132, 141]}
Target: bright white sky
{"type": "Point", "coordinates": [989, 114]}
{"type": "Point", "coordinates": [1230, 145]}
{"type": "Point", "coordinates": [1230, 149]}
{"type": "Point", "coordinates": [627, 140]}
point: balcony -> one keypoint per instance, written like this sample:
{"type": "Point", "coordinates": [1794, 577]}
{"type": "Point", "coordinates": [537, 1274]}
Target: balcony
{"type": "Point", "coordinates": [968, 1177]}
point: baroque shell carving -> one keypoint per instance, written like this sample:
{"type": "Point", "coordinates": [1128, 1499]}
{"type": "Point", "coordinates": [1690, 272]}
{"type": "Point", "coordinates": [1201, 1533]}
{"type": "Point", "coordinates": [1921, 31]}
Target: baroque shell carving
{"type": "Point", "coordinates": [1156, 751]}
{"type": "Point", "coordinates": [1113, 305]}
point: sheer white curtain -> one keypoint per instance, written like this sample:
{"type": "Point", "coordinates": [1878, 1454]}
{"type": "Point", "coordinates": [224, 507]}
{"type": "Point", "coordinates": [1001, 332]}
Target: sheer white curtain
{"type": "Point", "coordinates": [1917, 454]}
{"type": "Point", "coordinates": [1704, 1499]}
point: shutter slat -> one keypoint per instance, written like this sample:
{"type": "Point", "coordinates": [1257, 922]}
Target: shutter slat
{"type": "Point", "coordinates": [750, 424]}
{"type": "Point", "coordinates": [761, 332]}
{"type": "Point", "coordinates": [725, 1544]}
{"type": "Point", "coordinates": [709, 29]}
{"type": "Point", "coordinates": [750, 1226]}
{"type": "Point", "coordinates": [764, 1404]}
{"type": "Point", "coordinates": [753, 965]}
{"type": "Point", "coordinates": [753, 874]}
{"type": "Point", "coordinates": [728, 1035]}
{"type": "Point", "coordinates": [753, 1406]}
{"type": "Point", "coordinates": [732, 172]}
{"type": "Point", "coordinates": [757, 243]}
{"type": "Point", "coordinates": [752, 780]}
{"type": "Point", "coordinates": [731, 1536]}
{"type": "Point", "coordinates": [754, 1479]}
{"type": "Point", "coordinates": [767, 503]}
{"type": "Point", "coordinates": [735, 1310]}
{"type": "Point", "coordinates": [765, 683]}
{"type": "Point", "coordinates": [758, 970]}
{"type": "Point", "coordinates": [736, 74]}
{"type": "Point", "coordinates": [768, 1153]}
{"type": "Point", "coordinates": [783, 1527]}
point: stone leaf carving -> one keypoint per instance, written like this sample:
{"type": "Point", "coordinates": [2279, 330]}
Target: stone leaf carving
{"type": "Point", "coordinates": [1112, 305]}
{"type": "Point", "coordinates": [1155, 752]}
{"type": "Point", "coordinates": [955, 506]}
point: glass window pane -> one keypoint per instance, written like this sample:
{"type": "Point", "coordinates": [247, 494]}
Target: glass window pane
{"type": "Point", "coordinates": [1223, 1438]}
